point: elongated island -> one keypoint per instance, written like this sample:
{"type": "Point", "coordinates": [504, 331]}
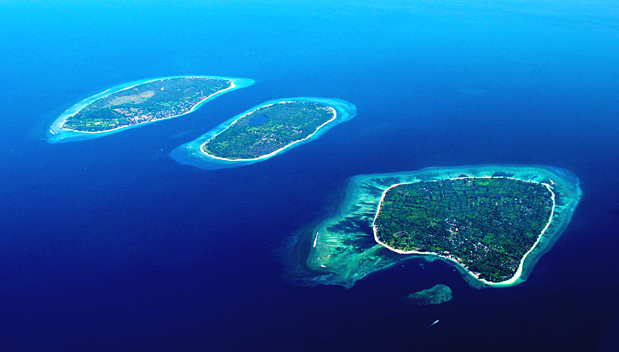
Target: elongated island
{"type": "Point", "coordinates": [264, 131]}
{"type": "Point", "coordinates": [137, 103]}
{"type": "Point", "coordinates": [491, 222]}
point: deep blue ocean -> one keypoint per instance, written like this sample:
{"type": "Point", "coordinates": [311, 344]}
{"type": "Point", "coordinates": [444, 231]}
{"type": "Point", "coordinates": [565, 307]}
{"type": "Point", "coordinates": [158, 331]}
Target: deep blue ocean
{"type": "Point", "coordinates": [110, 245]}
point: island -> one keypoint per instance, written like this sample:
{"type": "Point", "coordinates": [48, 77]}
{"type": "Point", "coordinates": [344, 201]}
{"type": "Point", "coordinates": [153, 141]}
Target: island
{"type": "Point", "coordinates": [487, 224]}
{"type": "Point", "coordinates": [491, 222]}
{"type": "Point", "coordinates": [137, 103]}
{"type": "Point", "coordinates": [264, 131]}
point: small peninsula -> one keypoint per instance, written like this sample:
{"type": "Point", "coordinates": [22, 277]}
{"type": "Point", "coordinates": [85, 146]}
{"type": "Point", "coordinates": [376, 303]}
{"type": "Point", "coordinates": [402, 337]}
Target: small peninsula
{"type": "Point", "coordinates": [137, 103]}
{"type": "Point", "coordinates": [264, 131]}
{"type": "Point", "coordinates": [491, 222]}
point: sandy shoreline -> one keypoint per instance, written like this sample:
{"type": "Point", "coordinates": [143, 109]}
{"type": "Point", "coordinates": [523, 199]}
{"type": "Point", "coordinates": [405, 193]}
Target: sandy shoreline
{"type": "Point", "coordinates": [272, 153]}
{"type": "Point", "coordinates": [193, 108]}
{"type": "Point", "coordinates": [191, 153]}
{"type": "Point", "coordinates": [57, 134]}
{"type": "Point", "coordinates": [456, 260]}
{"type": "Point", "coordinates": [350, 253]}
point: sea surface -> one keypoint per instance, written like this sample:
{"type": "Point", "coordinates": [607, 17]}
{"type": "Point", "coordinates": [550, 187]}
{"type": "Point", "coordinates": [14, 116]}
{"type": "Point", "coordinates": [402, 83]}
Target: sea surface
{"type": "Point", "coordinates": [110, 245]}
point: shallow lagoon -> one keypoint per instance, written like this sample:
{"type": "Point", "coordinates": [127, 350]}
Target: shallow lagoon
{"type": "Point", "coordinates": [343, 246]}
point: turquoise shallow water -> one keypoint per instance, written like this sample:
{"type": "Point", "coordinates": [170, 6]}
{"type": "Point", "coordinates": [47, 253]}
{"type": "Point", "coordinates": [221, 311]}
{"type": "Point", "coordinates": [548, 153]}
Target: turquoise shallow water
{"type": "Point", "coordinates": [108, 244]}
{"type": "Point", "coordinates": [191, 153]}
{"type": "Point", "coordinates": [56, 134]}
{"type": "Point", "coordinates": [345, 249]}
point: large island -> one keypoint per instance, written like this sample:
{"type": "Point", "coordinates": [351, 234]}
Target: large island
{"type": "Point", "coordinates": [137, 103]}
{"type": "Point", "coordinates": [491, 222]}
{"type": "Point", "coordinates": [264, 131]}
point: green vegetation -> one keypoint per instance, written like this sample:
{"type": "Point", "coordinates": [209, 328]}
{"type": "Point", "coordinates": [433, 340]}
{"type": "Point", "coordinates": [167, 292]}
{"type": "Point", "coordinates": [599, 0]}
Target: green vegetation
{"type": "Point", "coordinates": [268, 129]}
{"type": "Point", "coordinates": [486, 224]}
{"type": "Point", "coordinates": [146, 102]}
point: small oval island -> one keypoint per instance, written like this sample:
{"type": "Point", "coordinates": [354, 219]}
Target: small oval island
{"type": "Point", "coordinates": [491, 222]}
{"type": "Point", "coordinates": [137, 103]}
{"type": "Point", "coordinates": [264, 131]}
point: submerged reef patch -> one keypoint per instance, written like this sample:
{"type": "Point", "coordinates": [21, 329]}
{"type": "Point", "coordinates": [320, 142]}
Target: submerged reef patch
{"type": "Point", "coordinates": [347, 245]}
{"type": "Point", "coordinates": [434, 295]}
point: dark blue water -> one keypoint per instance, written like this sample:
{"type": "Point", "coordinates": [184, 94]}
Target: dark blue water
{"type": "Point", "coordinates": [110, 245]}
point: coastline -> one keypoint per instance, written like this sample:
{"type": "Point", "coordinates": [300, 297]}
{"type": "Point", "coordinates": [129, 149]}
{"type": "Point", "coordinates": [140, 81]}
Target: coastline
{"type": "Point", "coordinates": [456, 260]}
{"type": "Point", "coordinates": [193, 108]}
{"type": "Point", "coordinates": [273, 153]}
{"type": "Point", "coordinates": [191, 153]}
{"type": "Point", "coordinates": [57, 134]}
{"type": "Point", "coordinates": [349, 253]}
